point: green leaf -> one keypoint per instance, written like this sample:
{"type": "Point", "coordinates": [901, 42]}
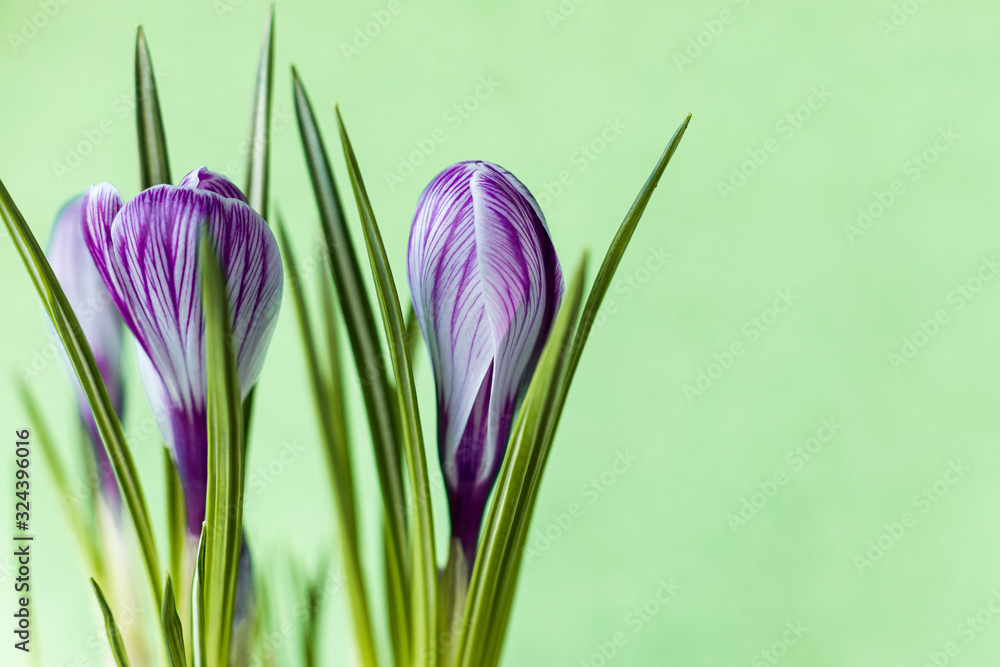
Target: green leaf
{"type": "Point", "coordinates": [199, 621]}
{"type": "Point", "coordinates": [258, 167]}
{"type": "Point", "coordinates": [424, 573]}
{"type": "Point", "coordinates": [503, 545]}
{"type": "Point", "coordinates": [84, 528]}
{"type": "Point", "coordinates": [82, 359]}
{"type": "Point", "coordinates": [380, 404]}
{"type": "Point", "coordinates": [258, 164]}
{"type": "Point", "coordinates": [335, 406]}
{"type": "Point", "coordinates": [610, 265]}
{"type": "Point", "coordinates": [412, 331]}
{"type": "Point", "coordinates": [153, 163]}
{"type": "Point", "coordinates": [226, 464]}
{"type": "Point", "coordinates": [311, 635]}
{"type": "Point", "coordinates": [114, 633]}
{"type": "Point", "coordinates": [497, 556]}
{"type": "Point", "coordinates": [338, 461]}
{"type": "Point", "coordinates": [397, 603]}
{"type": "Point", "coordinates": [173, 633]}
{"type": "Point", "coordinates": [176, 515]}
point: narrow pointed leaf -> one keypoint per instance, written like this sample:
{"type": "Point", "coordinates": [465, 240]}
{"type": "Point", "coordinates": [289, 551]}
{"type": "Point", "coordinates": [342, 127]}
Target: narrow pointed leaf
{"type": "Point", "coordinates": [497, 558]}
{"type": "Point", "coordinates": [612, 259]}
{"type": "Point", "coordinates": [83, 527]}
{"type": "Point", "coordinates": [153, 163]}
{"type": "Point", "coordinates": [82, 359]}
{"type": "Point", "coordinates": [424, 569]}
{"type": "Point", "coordinates": [397, 604]}
{"type": "Point", "coordinates": [199, 622]}
{"type": "Point", "coordinates": [114, 633]}
{"type": "Point", "coordinates": [170, 623]}
{"type": "Point", "coordinates": [338, 463]}
{"type": "Point", "coordinates": [258, 164]}
{"type": "Point", "coordinates": [380, 405]}
{"type": "Point", "coordinates": [258, 167]}
{"type": "Point", "coordinates": [176, 515]}
{"type": "Point", "coordinates": [488, 609]}
{"type": "Point", "coordinates": [224, 506]}
{"type": "Point", "coordinates": [335, 385]}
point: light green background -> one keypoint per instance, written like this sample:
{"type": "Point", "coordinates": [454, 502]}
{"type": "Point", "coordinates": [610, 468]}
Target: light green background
{"type": "Point", "coordinates": [886, 95]}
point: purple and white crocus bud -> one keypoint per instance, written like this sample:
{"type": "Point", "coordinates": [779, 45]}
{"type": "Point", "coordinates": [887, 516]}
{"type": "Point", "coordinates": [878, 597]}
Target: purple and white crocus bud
{"type": "Point", "coordinates": [486, 285]}
{"type": "Point", "coordinates": [101, 326]}
{"type": "Point", "coordinates": [147, 253]}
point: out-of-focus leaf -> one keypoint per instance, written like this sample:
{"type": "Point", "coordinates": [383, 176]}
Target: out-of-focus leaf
{"type": "Point", "coordinates": [83, 527]}
{"type": "Point", "coordinates": [338, 462]}
{"type": "Point", "coordinates": [82, 359]}
{"type": "Point", "coordinates": [423, 583]}
{"type": "Point", "coordinates": [380, 404]}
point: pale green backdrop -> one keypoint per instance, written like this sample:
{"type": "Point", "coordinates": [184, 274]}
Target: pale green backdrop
{"type": "Point", "coordinates": [741, 436]}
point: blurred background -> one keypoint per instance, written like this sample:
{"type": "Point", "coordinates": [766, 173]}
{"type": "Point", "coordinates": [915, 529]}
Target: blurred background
{"type": "Point", "coordinates": [781, 445]}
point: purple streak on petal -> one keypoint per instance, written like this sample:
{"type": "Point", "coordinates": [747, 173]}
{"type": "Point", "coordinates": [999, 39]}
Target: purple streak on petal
{"type": "Point", "coordinates": [445, 281]}
{"type": "Point", "coordinates": [99, 320]}
{"type": "Point", "coordinates": [486, 284]}
{"type": "Point", "coordinates": [522, 285]}
{"type": "Point", "coordinates": [203, 179]}
{"type": "Point", "coordinates": [150, 254]}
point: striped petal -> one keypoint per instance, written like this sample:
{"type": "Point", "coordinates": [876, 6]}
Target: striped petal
{"type": "Point", "coordinates": [486, 284]}
{"type": "Point", "coordinates": [150, 255]}
{"type": "Point", "coordinates": [203, 179]}
{"type": "Point", "coordinates": [99, 319]}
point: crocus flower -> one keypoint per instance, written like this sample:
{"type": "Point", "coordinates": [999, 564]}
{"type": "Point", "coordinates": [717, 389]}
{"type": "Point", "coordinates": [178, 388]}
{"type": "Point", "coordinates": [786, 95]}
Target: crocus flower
{"type": "Point", "coordinates": [100, 323]}
{"type": "Point", "coordinates": [486, 284]}
{"type": "Point", "coordinates": [147, 253]}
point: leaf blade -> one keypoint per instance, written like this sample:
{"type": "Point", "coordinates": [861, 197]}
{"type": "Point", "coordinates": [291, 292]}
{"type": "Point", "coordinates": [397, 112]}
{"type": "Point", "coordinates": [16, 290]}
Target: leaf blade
{"type": "Point", "coordinates": [380, 406]}
{"type": "Point", "coordinates": [338, 462]}
{"type": "Point", "coordinates": [154, 165]}
{"type": "Point", "coordinates": [424, 573]}
{"type": "Point", "coordinates": [170, 624]}
{"type": "Point", "coordinates": [81, 357]}
{"type": "Point", "coordinates": [111, 627]}
{"type": "Point", "coordinates": [226, 464]}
